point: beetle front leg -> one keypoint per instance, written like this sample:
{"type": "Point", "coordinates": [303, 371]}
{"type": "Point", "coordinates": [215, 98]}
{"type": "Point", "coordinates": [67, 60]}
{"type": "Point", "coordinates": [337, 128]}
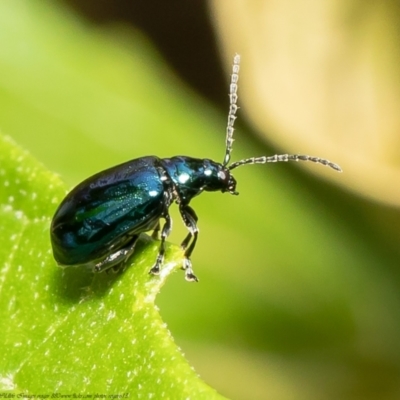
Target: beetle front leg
{"type": "Point", "coordinates": [186, 241]}
{"type": "Point", "coordinates": [189, 218]}
{"type": "Point", "coordinates": [166, 230]}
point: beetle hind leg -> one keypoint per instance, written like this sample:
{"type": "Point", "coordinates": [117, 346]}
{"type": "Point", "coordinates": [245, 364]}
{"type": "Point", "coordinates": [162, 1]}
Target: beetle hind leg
{"type": "Point", "coordinates": [117, 260]}
{"type": "Point", "coordinates": [156, 231]}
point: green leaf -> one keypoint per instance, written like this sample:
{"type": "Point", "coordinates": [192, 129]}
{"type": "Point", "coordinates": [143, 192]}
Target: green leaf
{"type": "Point", "coordinates": [67, 330]}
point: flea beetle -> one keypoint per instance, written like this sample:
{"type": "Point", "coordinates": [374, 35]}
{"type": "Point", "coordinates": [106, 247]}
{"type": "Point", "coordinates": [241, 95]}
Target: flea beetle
{"type": "Point", "coordinates": [98, 223]}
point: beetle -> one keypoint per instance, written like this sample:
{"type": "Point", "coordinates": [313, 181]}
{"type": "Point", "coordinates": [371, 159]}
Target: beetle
{"type": "Point", "coordinates": [98, 223]}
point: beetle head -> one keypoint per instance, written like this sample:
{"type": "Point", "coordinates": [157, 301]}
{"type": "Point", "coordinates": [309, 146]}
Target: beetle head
{"type": "Point", "coordinates": [228, 182]}
{"type": "Point", "coordinates": [218, 178]}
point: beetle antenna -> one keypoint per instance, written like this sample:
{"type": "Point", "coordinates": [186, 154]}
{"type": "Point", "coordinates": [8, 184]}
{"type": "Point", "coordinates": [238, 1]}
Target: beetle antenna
{"type": "Point", "coordinates": [285, 157]}
{"type": "Point", "coordinates": [232, 109]}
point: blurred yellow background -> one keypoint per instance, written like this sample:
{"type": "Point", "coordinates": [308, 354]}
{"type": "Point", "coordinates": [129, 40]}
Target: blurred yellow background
{"type": "Point", "coordinates": [299, 275]}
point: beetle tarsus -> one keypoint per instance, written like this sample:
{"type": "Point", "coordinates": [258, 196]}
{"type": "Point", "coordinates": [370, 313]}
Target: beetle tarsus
{"type": "Point", "coordinates": [190, 277]}
{"type": "Point", "coordinates": [189, 274]}
{"type": "Point", "coordinates": [155, 270]}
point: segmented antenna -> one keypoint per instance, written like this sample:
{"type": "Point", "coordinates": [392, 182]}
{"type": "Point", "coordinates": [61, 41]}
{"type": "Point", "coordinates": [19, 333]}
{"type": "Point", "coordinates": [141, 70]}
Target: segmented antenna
{"type": "Point", "coordinates": [232, 109]}
{"type": "Point", "coordinates": [285, 158]}
{"type": "Point", "coordinates": [233, 97]}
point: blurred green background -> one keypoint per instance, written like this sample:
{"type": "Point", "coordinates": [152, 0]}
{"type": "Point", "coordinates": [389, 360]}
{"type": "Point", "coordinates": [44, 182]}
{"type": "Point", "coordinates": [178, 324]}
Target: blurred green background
{"type": "Point", "coordinates": [299, 276]}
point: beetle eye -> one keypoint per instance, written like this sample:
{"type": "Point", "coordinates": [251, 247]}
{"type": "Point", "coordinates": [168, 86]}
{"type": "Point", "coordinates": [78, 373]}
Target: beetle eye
{"type": "Point", "coordinates": [232, 185]}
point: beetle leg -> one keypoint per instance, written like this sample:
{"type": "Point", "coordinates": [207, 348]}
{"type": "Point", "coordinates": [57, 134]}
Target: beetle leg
{"type": "Point", "coordinates": [166, 230]}
{"type": "Point", "coordinates": [189, 218]}
{"type": "Point", "coordinates": [116, 259]}
{"type": "Point", "coordinates": [186, 241]}
{"type": "Point", "coordinates": [157, 229]}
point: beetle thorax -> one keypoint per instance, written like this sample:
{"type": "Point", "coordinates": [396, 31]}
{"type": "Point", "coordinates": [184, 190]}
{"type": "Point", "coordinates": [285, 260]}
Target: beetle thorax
{"type": "Point", "coordinates": [192, 176]}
